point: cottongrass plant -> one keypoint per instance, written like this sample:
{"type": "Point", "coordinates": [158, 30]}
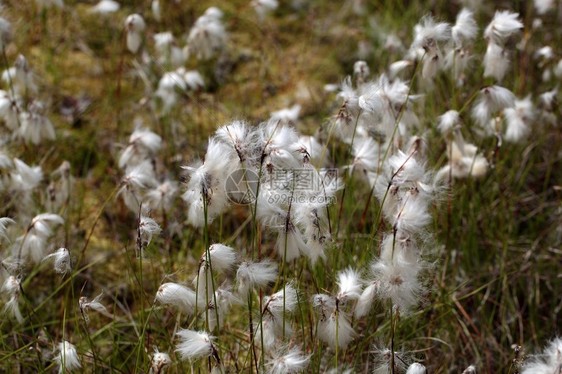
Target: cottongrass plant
{"type": "Point", "coordinates": [160, 360]}
{"type": "Point", "coordinates": [287, 361]}
{"type": "Point", "coordinates": [334, 327]}
{"type": "Point", "coordinates": [134, 26]}
{"type": "Point", "coordinates": [67, 358]}
{"type": "Point", "coordinates": [61, 260]}
{"type": "Point", "coordinates": [12, 287]}
{"type": "Point", "coordinates": [302, 246]}
{"type": "Point", "coordinates": [95, 305]}
{"type": "Point", "coordinates": [194, 345]}
{"type": "Point", "coordinates": [549, 361]}
{"type": "Point", "coordinates": [274, 324]}
{"type": "Point", "coordinates": [177, 295]}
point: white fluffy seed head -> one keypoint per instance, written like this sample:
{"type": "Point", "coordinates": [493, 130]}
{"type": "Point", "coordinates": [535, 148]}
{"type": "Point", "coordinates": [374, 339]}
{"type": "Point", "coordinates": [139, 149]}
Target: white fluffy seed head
{"type": "Point", "coordinates": [465, 27]}
{"type": "Point", "coordinates": [504, 25]}
{"type": "Point", "coordinates": [366, 300]}
{"type": "Point", "coordinates": [148, 228]}
{"type": "Point", "coordinates": [416, 368]}
{"type": "Point", "coordinates": [223, 258]}
{"type": "Point", "coordinates": [86, 306]}
{"type": "Point", "coordinates": [550, 361]}
{"type": "Point", "coordinates": [287, 115]}
{"type": "Point", "coordinates": [104, 7]}
{"type": "Point", "coordinates": [349, 283]}
{"type": "Point", "coordinates": [496, 62]}
{"type": "Point", "coordinates": [159, 361]}
{"type": "Point", "coordinates": [4, 222]}
{"type": "Point", "coordinates": [255, 275]}
{"type": "Point", "coordinates": [428, 32]}
{"type": "Point", "coordinates": [12, 308]}
{"type": "Point", "coordinates": [177, 295]}
{"type": "Point", "coordinates": [194, 344]}
{"type": "Point", "coordinates": [41, 223]}
{"type": "Point", "coordinates": [448, 122]}
{"type": "Point", "coordinates": [336, 330]}
{"type": "Point", "coordinates": [61, 261]}
{"type": "Point", "coordinates": [135, 25]}
{"type": "Point", "coordinates": [67, 358]}
{"type": "Point", "coordinates": [491, 100]}
{"type": "Point", "coordinates": [283, 300]}
{"type": "Point", "coordinates": [288, 361]}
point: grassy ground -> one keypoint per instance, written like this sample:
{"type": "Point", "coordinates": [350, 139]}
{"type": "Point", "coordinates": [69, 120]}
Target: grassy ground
{"type": "Point", "coordinates": [495, 242]}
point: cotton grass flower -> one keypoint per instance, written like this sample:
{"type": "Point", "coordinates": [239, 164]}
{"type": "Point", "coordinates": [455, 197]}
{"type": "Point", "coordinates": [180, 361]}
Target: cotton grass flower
{"type": "Point", "coordinates": [156, 10]}
{"type": "Point", "coordinates": [222, 257]}
{"type": "Point", "coordinates": [283, 301]}
{"type": "Point", "coordinates": [238, 136]}
{"type": "Point", "coordinates": [290, 242]}
{"type": "Point", "coordinates": [491, 99]}
{"type": "Point", "coordinates": [32, 244]}
{"type": "Point", "coordinates": [504, 25]}
{"type": "Point", "coordinates": [219, 306]}
{"type": "Point", "coordinates": [448, 122]}
{"type": "Point", "coordinates": [465, 28]}
{"type": "Point", "coordinates": [4, 222]}
{"type": "Point", "coordinates": [35, 126]}
{"type": "Point", "coordinates": [208, 36]}
{"type": "Point", "coordinates": [349, 283]}
{"type": "Point", "coordinates": [67, 358]}
{"type": "Point", "coordinates": [264, 7]}
{"type": "Point", "coordinates": [550, 361]}
{"type": "Point", "coordinates": [161, 198]}
{"type": "Point", "coordinates": [195, 344]}
{"type": "Point", "coordinates": [336, 330]}
{"type": "Point", "coordinates": [10, 109]}
{"type": "Point", "coordinates": [147, 229]}
{"type": "Point", "coordinates": [518, 120]}
{"type": "Point", "coordinates": [287, 115]}
{"type": "Point", "coordinates": [160, 360]}
{"type": "Point", "coordinates": [177, 295]}
{"type": "Point", "coordinates": [134, 26]}
{"type": "Point", "coordinates": [427, 36]}
{"type": "Point", "coordinates": [20, 77]}
{"type": "Point", "coordinates": [384, 360]}
{"type": "Point", "coordinates": [428, 32]}
{"type": "Point", "coordinates": [143, 145]}
{"type": "Point", "coordinates": [255, 275]}
{"type": "Point", "coordinates": [95, 304]}
{"type": "Point", "coordinates": [496, 62]}
{"type": "Point", "coordinates": [61, 260]}
{"type": "Point", "coordinates": [365, 156]}
{"type": "Point", "coordinates": [416, 368]}
{"type": "Point", "coordinates": [394, 276]}
{"type": "Point", "coordinates": [544, 6]}
{"type": "Point", "coordinates": [287, 361]}
{"type": "Point", "coordinates": [167, 50]}
{"type": "Point", "coordinates": [25, 177]}
{"type": "Point", "coordinates": [334, 327]}
{"type": "Point", "coordinates": [361, 71]}
{"type": "Point", "coordinates": [205, 193]}
{"type": "Point", "coordinates": [137, 180]}
{"type": "Point", "coordinates": [104, 7]}
{"type": "Point", "coordinates": [12, 287]}
{"type": "Point", "coordinates": [274, 322]}
{"type": "Point", "coordinates": [464, 161]}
